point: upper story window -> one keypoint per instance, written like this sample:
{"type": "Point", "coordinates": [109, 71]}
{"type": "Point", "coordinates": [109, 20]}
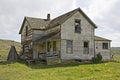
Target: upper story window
{"type": "Point", "coordinates": [77, 26]}
{"type": "Point", "coordinates": [26, 31]}
{"type": "Point", "coordinates": [105, 45]}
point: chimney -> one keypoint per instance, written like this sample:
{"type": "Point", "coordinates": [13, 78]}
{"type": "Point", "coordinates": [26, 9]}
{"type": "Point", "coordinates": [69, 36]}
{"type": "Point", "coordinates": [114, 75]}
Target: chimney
{"type": "Point", "coordinates": [48, 17]}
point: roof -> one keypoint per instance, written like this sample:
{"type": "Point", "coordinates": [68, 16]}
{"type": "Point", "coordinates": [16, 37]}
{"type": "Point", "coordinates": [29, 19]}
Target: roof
{"type": "Point", "coordinates": [35, 23]}
{"type": "Point", "coordinates": [97, 38]}
{"type": "Point", "coordinates": [61, 19]}
{"type": "Point", "coordinates": [38, 23]}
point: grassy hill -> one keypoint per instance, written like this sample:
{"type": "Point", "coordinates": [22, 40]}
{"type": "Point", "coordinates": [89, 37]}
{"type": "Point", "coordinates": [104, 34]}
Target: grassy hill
{"type": "Point", "coordinates": [116, 53]}
{"type": "Point", "coordinates": [69, 71]}
{"type": "Point", "coordinates": [5, 47]}
{"type": "Point", "coordinates": [115, 50]}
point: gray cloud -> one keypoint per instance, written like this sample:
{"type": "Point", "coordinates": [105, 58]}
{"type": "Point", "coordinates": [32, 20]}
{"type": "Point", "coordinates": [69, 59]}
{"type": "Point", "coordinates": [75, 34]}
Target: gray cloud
{"type": "Point", "coordinates": [108, 25]}
{"type": "Point", "coordinates": [103, 12]}
{"type": "Point", "coordinates": [12, 13]}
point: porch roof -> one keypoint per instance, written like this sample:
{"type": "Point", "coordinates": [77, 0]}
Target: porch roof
{"type": "Point", "coordinates": [97, 38]}
{"type": "Point", "coordinates": [52, 35]}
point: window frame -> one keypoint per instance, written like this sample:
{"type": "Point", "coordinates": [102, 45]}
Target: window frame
{"type": "Point", "coordinates": [77, 25]}
{"type": "Point", "coordinates": [105, 45]}
{"type": "Point", "coordinates": [86, 46]}
{"type": "Point", "coordinates": [69, 46]}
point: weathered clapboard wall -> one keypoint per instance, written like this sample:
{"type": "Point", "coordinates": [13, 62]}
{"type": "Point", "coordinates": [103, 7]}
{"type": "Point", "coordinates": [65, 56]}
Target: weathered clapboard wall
{"type": "Point", "coordinates": [26, 40]}
{"type": "Point", "coordinates": [104, 52]}
{"type": "Point", "coordinates": [68, 33]}
{"type": "Point", "coordinates": [23, 34]}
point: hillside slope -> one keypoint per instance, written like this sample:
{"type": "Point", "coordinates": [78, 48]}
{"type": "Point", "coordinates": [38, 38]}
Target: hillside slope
{"type": "Point", "coordinates": [5, 47]}
{"type": "Point", "coordinates": [6, 44]}
{"type": "Point", "coordinates": [115, 50]}
{"type": "Point", "coordinates": [116, 53]}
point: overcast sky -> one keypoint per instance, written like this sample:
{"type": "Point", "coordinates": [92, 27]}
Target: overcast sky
{"type": "Point", "coordinates": [104, 13]}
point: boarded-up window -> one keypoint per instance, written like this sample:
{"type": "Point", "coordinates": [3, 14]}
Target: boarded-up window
{"type": "Point", "coordinates": [26, 31]}
{"type": "Point", "coordinates": [77, 26]}
{"type": "Point", "coordinates": [105, 45]}
{"type": "Point", "coordinates": [69, 46]}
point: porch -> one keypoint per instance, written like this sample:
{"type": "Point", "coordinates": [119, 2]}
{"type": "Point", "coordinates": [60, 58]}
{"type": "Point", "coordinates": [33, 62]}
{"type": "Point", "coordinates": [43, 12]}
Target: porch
{"type": "Point", "coordinates": [48, 46]}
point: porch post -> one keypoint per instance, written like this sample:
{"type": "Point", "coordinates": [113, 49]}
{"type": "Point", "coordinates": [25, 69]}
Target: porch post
{"type": "Point", "coordinates": [46, 50]}
{"type": "Point", "coordinates": [60, 49]}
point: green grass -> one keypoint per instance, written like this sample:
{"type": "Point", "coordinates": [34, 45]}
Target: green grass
{"type": "Point", "coordinates": [116, 57]}
{"type": "Point", "coordinates": [70, 71]}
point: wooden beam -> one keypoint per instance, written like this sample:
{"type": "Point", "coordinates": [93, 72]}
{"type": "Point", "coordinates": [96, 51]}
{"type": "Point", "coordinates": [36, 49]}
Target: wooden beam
{"type": "Point", "coordinates": [46, 50]}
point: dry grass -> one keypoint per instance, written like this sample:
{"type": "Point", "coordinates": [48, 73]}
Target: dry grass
{"type": "Point", "coordinates": [5, 47]}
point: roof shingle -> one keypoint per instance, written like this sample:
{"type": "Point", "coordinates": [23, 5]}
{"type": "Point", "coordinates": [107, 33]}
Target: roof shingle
{"type": "Point", "coordinates": [37, 23]}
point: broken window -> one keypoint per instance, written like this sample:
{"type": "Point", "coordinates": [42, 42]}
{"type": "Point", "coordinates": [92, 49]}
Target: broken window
{"type": "Point", "coordinates": [105, 45]}
{"type": "Point", "coordinates": [69, 46]}
{"type": "Point", "coordinates": [77, 26]}
{"type": "Point", "coordinates": [86, 45]}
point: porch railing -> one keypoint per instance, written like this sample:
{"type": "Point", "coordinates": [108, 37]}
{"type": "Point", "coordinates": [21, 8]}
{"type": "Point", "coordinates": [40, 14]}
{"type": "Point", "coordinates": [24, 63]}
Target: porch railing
{"type": "Point", "coordinates": [53, 54]}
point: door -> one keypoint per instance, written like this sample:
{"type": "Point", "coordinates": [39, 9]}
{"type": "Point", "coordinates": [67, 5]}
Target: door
{"type": "Point", "coordinates": [54, 45]}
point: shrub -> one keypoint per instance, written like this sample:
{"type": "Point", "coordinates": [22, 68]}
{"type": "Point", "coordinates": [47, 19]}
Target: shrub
{"type": "Point", "coordinates": [97, 58]}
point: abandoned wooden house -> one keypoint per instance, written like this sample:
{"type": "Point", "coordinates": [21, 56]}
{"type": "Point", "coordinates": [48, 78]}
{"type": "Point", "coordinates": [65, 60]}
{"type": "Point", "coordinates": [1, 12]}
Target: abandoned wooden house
{"type": "Point", "coordinates": [69, 36]}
